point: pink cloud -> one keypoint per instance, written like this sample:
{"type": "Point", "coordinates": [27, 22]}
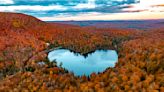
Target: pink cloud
{"type": "Point", "coordinates": [146, 5]}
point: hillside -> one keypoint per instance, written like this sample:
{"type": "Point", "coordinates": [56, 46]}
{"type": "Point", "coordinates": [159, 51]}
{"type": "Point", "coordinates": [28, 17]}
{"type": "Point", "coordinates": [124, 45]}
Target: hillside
{"type": "Point", "coordinates": [24, 39]}
{"type": "Point", "coordinates": [23, 36]}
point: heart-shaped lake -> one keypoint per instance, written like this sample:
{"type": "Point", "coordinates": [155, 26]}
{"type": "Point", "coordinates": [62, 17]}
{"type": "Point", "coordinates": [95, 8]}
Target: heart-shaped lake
{"type": "Point", "coordinates": [80, 65]}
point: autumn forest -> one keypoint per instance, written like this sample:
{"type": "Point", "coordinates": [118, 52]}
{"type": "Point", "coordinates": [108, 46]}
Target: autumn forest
{"type": "Point", "coordinates": [25, 41]}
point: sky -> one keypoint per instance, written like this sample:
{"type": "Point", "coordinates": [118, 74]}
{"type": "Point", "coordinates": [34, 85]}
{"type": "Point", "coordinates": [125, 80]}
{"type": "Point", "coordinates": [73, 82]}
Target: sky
{"type": "Point", "coordinates": [64, 10]}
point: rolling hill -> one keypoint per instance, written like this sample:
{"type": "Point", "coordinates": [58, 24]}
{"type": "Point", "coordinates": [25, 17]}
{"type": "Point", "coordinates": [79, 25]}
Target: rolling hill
{"type": "Point", "coordinates": [24, 39]}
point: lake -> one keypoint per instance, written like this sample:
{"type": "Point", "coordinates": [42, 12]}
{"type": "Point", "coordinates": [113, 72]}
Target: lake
{"type": "Point", "coordinates": [97, 61]}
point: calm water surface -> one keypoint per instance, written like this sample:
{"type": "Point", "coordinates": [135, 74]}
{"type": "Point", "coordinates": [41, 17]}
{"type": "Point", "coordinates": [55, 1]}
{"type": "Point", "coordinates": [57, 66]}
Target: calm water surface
{"type": "Point", "coordinates": [96, 62]}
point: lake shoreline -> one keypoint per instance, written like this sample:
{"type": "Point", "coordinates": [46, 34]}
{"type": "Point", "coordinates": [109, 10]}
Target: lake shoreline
{"type": "Point", "coordinates": [97, 61]}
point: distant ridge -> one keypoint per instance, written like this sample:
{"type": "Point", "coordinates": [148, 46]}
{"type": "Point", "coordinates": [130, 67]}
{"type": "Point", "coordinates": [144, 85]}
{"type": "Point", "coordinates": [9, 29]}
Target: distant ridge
{"type": "Point", "coordinates": [132, 24]}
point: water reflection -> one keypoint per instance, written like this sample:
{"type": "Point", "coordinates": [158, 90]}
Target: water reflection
{"type": "Point", "coordinates": [96, 62]}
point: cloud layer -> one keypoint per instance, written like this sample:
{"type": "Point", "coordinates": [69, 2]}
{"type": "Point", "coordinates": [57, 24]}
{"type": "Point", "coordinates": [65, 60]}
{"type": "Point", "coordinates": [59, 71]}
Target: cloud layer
{"type": "Point", "coordinates": [90, 9]}
{"type": "Point", "coordinates": [6, 2]}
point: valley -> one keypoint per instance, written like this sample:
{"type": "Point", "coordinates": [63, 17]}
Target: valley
{"type": "Point", "coordinates": [25, 39]}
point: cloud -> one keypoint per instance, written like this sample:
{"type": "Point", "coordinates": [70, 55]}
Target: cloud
{"type": "Point", "coordinates": [6, 2]}
{"type": "Point", "coordinates": [90, 4]}
{"type": "Point", "coordinates": [85, 9]}
{"type": "Point", "coordinates": [146, 5]}
{"type": "Point", "coordinates": [47, 5]}
{"type": "Point", "coordinates": [33, 8]}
